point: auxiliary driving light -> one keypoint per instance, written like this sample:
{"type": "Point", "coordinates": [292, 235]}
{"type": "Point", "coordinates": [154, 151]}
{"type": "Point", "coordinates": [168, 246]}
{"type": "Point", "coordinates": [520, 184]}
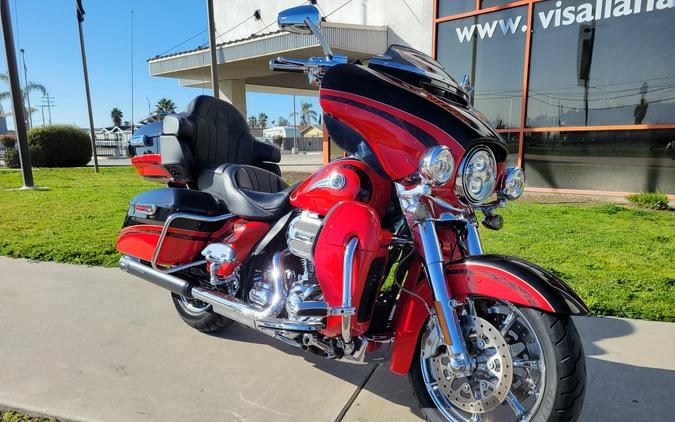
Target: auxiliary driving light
{"type": "Point", "coordinates": [437, 165]}
{"type": "Point", "coordinates": [513, 183]}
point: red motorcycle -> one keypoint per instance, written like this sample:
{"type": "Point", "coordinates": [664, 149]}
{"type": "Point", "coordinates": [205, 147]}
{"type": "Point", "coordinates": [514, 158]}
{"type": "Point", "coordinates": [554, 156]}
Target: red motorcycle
{"type": "Point", "coordinates": [379, 249]}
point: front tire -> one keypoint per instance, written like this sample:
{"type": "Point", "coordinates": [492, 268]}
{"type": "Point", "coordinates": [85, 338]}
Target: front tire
{"type": "Point", "coordinates": [199, 315]}
{"type": "Point", "coordinates": [548, 378]}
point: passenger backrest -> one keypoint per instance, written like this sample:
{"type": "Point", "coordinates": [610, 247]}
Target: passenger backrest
{"type": "Point", "coordinates": [217, 133]}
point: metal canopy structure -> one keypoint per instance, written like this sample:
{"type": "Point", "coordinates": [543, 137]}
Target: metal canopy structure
{"type": "Point", "coordinates": [247, 59]}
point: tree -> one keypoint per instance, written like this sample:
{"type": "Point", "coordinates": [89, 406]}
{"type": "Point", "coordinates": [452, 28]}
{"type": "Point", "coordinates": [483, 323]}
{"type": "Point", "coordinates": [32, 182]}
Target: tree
{"type": "Point", "coordinates": [165, 105]}
{"type": "Point", "coordinates": [262, 120]}
{"type": "Point", "coordinates": [281, 121]}
{"type": "Point", "coordinates": [25, 92]}
{"type": "Point", "coordinates": [252, 121]}
{"type": "Point", "coordinates": [116, 116]}
{"type": "Point", "coordinates": [307, 115]}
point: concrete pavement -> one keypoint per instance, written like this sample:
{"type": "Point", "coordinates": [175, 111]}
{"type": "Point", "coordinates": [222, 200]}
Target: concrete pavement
{"type": "Point", "coordinates": [90, 344]}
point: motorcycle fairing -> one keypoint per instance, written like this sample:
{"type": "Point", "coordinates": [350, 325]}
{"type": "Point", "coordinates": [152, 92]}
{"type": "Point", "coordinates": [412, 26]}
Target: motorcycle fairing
{"type": "Point", "coordinates": [496, 276]}
{"type": "Point", "coordinates": [397, 120]}
{"type": "Point", "coordinates": [346, 220]}
{"type": "Point", "coordinates": [361, 183]}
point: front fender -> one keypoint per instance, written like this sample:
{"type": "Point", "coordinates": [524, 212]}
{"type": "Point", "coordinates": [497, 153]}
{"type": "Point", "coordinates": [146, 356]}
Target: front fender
{"type": "Point", "coordinates": [496, 276]}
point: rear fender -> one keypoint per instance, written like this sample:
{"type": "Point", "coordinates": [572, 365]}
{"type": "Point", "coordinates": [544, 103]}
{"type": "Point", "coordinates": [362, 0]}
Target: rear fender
{"type": "Point", "coordinates": [496, 276]}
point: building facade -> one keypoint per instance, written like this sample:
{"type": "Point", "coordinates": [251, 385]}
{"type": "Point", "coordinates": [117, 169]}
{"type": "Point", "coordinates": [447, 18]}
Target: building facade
{"type": "Point", "coordinates": [583, 91]}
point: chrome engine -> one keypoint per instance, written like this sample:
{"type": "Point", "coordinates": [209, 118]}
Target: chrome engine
{"type": "Point", "coordinates": [304, 300]}
{"type": "Point", "coordinates": [302, 233]}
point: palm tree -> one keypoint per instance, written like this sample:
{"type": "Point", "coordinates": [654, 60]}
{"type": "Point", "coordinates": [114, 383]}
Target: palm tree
{"type": "Point", "coordinates": [165, 105]}
{"type": "Point", "coordinates": [262, 120]}
{"type": "Point", "coordinates": [252, 121]}
{"type": "Point", "coordinates": [25, 92]}
{"type": "Point", "coordinates": [116, 116]}
{"type": "Point", "coordinates": [307, 115]}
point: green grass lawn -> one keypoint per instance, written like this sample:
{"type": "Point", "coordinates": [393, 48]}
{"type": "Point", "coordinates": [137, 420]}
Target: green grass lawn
{"type": "Point", "coordinates": [620, 260]}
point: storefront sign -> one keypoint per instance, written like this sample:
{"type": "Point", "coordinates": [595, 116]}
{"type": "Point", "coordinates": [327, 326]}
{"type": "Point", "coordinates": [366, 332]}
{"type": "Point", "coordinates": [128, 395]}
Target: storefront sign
{"type": "Point", "coordinates": [563, 15]}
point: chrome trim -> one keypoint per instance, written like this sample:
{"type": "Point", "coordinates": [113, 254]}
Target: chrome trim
{"type": "Point", "coordinates": [165, 230]}
{"type": "Point", "coordinates": [347, 272]}
{"type": "Point", "coordinates": [219, 253]}
{"type": "Point", "coordinates": [473, 243]}
{"type": "Point", "coordinates": [335, 181]}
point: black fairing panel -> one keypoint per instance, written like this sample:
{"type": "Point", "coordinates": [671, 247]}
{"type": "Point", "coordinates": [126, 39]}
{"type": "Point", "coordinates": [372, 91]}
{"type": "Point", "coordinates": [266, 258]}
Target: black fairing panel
{"type": "Point", "coordinates": [462, 123]}
{"type": "Point", "coordinates": [173, 200]}
{"type": "Point", "coordinates": [561, 296]}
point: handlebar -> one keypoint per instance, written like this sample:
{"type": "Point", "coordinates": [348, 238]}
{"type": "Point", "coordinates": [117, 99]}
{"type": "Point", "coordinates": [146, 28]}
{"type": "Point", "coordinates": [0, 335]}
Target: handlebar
{"type": "Point", "coordinates": [314, 67]}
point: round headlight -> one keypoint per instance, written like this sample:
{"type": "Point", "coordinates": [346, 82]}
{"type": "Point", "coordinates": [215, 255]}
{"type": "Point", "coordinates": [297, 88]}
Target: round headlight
{"type": "Point", "coordinates": [437, 165]}
{"type": "Point", "coordinates": [513, 183]}
{"type": "Point", "coordinates": [477, 176]}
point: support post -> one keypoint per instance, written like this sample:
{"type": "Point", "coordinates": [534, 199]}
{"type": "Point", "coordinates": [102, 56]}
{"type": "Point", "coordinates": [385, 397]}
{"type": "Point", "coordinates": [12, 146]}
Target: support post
{"type": "Point", "coordinates": [212, 48]}
{"type": "Point", "coordinates": [17, 101]}
{"type": "Point", "coordinates": [80, 18]}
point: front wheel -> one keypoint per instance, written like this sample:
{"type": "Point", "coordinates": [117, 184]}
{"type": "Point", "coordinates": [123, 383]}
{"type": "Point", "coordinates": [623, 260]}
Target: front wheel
{"type": "Point", "coordinates": [199, 315]}
{"type": "Point", "coordinates": [529, 366]}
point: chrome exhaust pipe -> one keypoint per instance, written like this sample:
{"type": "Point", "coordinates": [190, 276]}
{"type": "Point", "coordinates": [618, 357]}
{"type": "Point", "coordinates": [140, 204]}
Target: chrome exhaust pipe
{"type": "Point", "coordinates": [228, 306]}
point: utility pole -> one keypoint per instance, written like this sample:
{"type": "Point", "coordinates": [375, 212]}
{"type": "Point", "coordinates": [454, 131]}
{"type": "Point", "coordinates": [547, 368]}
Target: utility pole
{"type": "Point", "coordinates": [295, 129]}
{"type": "Point", "coordinates": [212, 48]}
{"type": "Point", "coordinates": [17, 101]}
{"type": "Point", "coordinates": [26, 93]}
{"type": "Point", "coordinates": [132, 71]}
{"type": "Point", "coordinates": [80, 18]}
{"type": "Point", "coordinates": [42, 108]}
{"type": "Point", "coordinates": [149, 112]}
{"type": "Point", "coordinates": [47, 101]}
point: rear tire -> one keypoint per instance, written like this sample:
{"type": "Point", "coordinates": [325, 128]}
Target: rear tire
{"type": "Point", "coordinates": [199, 315]}
{"type": "Point", "coordinates": [565, 376]}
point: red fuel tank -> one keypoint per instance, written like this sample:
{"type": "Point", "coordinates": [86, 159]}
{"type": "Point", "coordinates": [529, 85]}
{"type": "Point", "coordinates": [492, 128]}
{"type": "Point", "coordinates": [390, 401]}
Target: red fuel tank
{"type": "Point", "coordinates": [346, 179]}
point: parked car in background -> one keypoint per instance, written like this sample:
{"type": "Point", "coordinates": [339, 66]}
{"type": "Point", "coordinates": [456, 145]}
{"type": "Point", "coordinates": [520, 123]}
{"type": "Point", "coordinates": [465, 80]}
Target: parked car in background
{"type": "Point", "coordinates": [146, 139]}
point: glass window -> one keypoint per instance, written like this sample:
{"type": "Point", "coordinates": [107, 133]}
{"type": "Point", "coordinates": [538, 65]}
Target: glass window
{"type": "Point", "coordinates": [491, 3]}
{"type": "Point", "coordinates": [490, 48]}
{"type": "Point", "coordinates": [512, 141]}
{"type": "Point", "coordinates": [614, 66]}
{"type": "Point", "coordinates": [454, 7]}
{"type": "Point", "coordinates": [638, 160]}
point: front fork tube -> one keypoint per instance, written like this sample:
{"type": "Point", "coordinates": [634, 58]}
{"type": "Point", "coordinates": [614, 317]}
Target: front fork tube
{"type": "Point", "coordinates": [446, 306]}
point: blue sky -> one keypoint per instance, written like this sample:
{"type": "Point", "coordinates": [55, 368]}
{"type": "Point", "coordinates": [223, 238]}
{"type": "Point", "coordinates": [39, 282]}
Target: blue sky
{"type": "Point", "coordinates": [47, 30]}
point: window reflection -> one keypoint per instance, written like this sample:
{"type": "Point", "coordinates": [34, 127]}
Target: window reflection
{"type": "Point", "coordinates": [453, 7]}
{"type": "Point", "coordinates": [617, 70]}
{"type": "Point", "coordinates": [490, 49]}
{"type": "Point", "coordinates": [638, 160]}
{"type": "Point", "coordinates": [491, 3]}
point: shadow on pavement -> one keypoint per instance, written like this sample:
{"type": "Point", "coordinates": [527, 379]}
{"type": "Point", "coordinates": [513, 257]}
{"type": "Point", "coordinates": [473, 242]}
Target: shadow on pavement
{"type": "Point", "coordinates": [615, 391]}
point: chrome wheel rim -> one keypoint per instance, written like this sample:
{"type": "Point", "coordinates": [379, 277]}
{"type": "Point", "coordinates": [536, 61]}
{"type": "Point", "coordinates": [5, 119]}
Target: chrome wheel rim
{"type": "Point", "coordinates": [528, 371]}
{"type": "Point", "coordinates": [194, 306]}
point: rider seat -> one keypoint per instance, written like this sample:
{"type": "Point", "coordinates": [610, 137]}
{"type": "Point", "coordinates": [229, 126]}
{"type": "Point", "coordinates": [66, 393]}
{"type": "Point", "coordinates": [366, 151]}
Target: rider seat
{"type": "Point", "coordinates": [210, 144]}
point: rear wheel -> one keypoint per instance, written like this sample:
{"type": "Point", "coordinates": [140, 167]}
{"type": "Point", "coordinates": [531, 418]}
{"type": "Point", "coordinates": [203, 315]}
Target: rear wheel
{"type": "Point", "coordinates": [199, 315]}
{"type": "Point", "coordinates": [529, 367]}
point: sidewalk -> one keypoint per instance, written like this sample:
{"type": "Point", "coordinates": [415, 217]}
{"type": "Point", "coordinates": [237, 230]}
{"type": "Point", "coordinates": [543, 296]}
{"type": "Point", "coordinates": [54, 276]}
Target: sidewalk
{"type": "Point", "coordinates": [83, 343]}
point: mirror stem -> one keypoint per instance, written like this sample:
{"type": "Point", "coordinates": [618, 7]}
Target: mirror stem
{"type": "Point", "coordinates": [324, 44]}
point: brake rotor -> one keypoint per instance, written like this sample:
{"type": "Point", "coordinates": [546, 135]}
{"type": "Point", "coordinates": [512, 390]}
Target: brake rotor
{"type": "Point", "coordinates": [488, 386]}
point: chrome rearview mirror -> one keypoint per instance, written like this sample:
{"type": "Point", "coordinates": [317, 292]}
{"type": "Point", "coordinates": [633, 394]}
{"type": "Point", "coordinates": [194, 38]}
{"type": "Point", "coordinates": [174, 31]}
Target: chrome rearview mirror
{"type": "Point", "coordinates": [299, 20]}
{"type": "Point", "coordinates": [304, 20]}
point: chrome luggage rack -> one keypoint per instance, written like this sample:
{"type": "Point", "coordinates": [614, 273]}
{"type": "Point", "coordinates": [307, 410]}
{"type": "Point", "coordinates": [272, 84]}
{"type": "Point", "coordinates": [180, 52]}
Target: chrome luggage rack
{"type": "Point", "coordinates": [167, 225]}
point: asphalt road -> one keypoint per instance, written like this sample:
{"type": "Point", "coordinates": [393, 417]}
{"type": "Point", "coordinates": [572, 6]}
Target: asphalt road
{"type": "Point", "coordinates": [93, 344]}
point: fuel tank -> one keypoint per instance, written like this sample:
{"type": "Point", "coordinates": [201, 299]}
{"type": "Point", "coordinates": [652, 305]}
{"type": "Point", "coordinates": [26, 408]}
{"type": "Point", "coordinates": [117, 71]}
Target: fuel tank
{"type": "Point", "coordinates": [345, 179]}
{"type": "Point", "coordinates": [389, 123]}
